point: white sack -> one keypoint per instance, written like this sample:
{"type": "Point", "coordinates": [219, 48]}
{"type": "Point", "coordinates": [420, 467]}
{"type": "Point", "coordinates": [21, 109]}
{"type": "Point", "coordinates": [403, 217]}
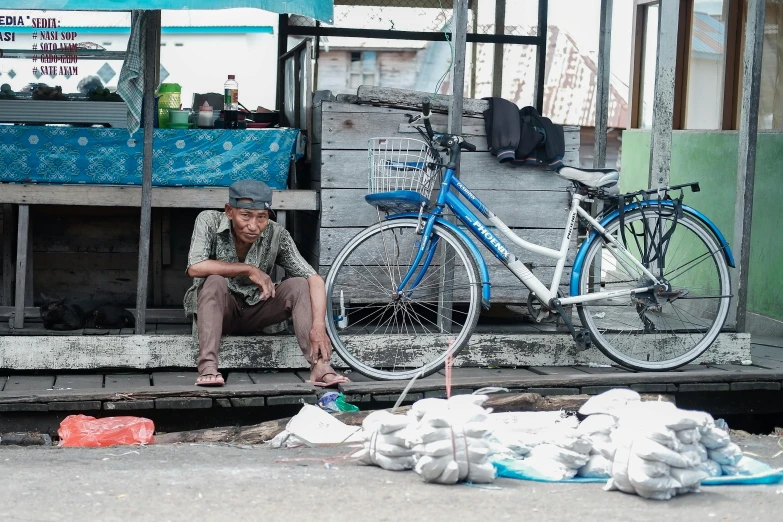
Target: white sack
{"type": "Point", "coordinates": [728, 455]}
{"type": "Point", "coordinates": [610, 402]}
{"type": "Point", "coordinates": [597, 466]}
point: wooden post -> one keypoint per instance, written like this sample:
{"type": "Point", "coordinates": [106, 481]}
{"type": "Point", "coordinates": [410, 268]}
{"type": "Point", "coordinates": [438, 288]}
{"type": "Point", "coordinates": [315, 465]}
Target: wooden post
{"type": "Point", "coordinates": [497, 63]}
{"type": "Point", "coordinates": [602, 85]}
{"type": "Point", "coordinates": [21, 264]}
{"type": "Point", "coordinates": [151, 39]}
{"type": "Point", "coordinates": [663, 97]}
{"type": "Point", "coordinates": [8, 258]}
{"type": "Point", "coordinates": [459, 27]}
{"type": "Point", "coordinates": [543, 11]}
{"type": "Point", "coordinates": [746, 156]}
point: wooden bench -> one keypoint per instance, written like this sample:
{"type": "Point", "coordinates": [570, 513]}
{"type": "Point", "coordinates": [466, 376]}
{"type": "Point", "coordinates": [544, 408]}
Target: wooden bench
{"type": "Point", "coordinates": [25, 195]}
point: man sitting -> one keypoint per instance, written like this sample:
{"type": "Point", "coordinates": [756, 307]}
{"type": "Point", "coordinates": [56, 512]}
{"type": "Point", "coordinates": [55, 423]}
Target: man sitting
{"type": "Point", "coordinates": [231, 256]}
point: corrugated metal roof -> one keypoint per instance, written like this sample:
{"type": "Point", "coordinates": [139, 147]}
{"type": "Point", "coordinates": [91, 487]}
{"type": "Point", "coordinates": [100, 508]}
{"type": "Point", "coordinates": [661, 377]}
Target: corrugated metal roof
{"type": "Point", "coordinates": [708, 34]}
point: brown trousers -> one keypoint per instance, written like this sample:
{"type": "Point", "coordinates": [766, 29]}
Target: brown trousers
{"type": "Point", "coordinates": [221, 313]}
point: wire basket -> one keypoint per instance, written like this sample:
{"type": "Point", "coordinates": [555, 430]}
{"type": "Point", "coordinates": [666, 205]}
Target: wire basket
{"type": "Point", "coordinates": [402, 164]}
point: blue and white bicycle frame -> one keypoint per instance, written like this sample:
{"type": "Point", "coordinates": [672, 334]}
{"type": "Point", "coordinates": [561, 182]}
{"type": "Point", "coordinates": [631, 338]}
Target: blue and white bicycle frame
{"type": "Point", "coordinates": [447, 198]}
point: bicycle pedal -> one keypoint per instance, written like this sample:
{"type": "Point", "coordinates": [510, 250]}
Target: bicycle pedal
{"type": "Point", "coordinates": [583, 340]}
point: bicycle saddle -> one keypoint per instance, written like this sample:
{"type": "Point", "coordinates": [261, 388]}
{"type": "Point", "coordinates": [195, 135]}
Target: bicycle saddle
{"type": "Point", "coordinates": [591, 178]}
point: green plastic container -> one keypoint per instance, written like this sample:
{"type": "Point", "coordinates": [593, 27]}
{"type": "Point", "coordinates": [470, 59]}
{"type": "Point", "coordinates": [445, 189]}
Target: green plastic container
{"type": "Point", "coordinates": [168, 98]}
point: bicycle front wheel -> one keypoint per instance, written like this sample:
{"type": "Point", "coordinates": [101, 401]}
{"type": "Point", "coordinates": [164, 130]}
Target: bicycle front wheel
{"type": "Point", "coordinates": [664, 329]}
{"type": "Point", "coordinates": [384, 334]}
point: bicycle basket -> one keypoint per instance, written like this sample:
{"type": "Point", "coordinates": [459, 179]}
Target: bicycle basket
{"type": "Point", "coordinates": [403, 172]}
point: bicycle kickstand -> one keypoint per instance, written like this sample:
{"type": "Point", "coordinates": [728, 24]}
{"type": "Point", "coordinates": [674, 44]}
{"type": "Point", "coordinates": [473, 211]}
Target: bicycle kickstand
{"type": "Point", "coordinates": [582, 337]}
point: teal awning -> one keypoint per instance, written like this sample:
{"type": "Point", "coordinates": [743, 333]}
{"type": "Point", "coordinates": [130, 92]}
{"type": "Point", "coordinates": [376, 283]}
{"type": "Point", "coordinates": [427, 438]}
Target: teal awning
{"type": "Point", "coordinates": [322, 10]}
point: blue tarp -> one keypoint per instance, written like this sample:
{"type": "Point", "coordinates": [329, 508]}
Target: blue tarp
{"type": "Point", "coordinates": [207, 158]}
{"type": "Point", "coordinates": [322, 10]}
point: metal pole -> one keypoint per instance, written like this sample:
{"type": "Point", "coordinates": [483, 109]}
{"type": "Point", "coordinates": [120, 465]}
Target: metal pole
{"type": "Point", "coordinates": [543, 10]}
{"type": "Point", "coordinates": [459, 27]}
{"type": "Point", "coordinates": [663, 97]}
{"type": "Point", "coordinates": [602, 85]}
{"type": "Point", "coordinates": [151, 39]}
{"type": "Point", "coordinates": [746, 156]}
{"type": "Point", "coordinates": [497, 67]}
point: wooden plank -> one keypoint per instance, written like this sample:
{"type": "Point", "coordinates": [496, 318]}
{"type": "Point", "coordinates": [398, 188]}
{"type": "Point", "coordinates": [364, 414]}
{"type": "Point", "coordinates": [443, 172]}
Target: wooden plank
{"type": "Point", "coordinates": [491, 373]}
{"type": "Point", "coordinates": [333, 240]}
{"type": "Point", "coordinates": [412, 100]}
{"type": "Point", "coordinates": [130, 196]}
{"type": "Point", "coordinates": [277, 377]}
{"type": "Point", "coordinates": [506, 288]}
{"type": "Point", "coordinates": [129, 405]}
{"type": "Point", "coordinates": [479, 171]}
{"type": "Point", "coordinates": [75, 406]}
{"type": "Point", "coordinates": [78, 382]}
{"type": "Point", "coordinates": [8, 256]}
{"type": "Point", "coordinates": [165, 236]}
{"type": "Point", "coordinates": [84, 261]}
{"type": "Point", "coordinates": [24, 383]}
{"type": "Point", "coordinates": [154, 392]}
{"type": "Point", "coordinates": [555, 370]}
{"type": "Point", "coordinates": [157, 260]}
{"type": "Point", "coordinates": [598, 370]}
{"type": "Point", "coordinates": [3, 379]}
{"type": "Point", "coordinates": [126, 381]}
{"type": "Point", "coordinates": [29, 275]}
{"type": "Point", "coordinates": [282, 351]}
{"type": "Point", "coordinates": [746, 155]}
{"type": "Point", "coordinates": [185, 403]}
{"type": "Point", "coordinates": [238, 378]}
{"type": "Point", "coordinates": [184, 378]}
{"type": "Point", "coordinates": [517, 208]}
{"type": "Point", "coordinates": [21, 264]}
{"type": "Point", "coordinates": [152, 31]}
{"type": "Point", "coordinates": [172, 329]}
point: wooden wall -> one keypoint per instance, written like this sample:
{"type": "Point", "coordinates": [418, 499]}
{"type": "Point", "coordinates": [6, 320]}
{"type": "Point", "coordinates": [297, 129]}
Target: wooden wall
{"type": "Point", "coordinates": [530, 200]}
{"type": "Point", "coordinates": [92, 253]}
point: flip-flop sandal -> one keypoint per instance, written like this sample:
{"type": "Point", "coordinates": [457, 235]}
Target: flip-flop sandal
{"type": "Point", "coordinates": [218, 381]}
{"type": "Point", "coordinates": [334, 384]}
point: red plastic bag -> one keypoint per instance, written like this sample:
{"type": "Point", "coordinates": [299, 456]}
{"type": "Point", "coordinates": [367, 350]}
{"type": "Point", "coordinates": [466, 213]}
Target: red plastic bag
{"type": "Point", "coordinates": [81, 430]}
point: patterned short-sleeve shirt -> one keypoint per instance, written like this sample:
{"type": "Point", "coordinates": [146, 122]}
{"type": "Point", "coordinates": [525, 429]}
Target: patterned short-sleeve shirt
{"type": "Point", "coordinates": [213, 238]}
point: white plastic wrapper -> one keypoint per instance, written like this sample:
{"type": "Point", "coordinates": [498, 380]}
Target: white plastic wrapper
{"type": "Point", "coordinates": [562, 456]}
{"type": "Point", "coordinates": [598, 423]}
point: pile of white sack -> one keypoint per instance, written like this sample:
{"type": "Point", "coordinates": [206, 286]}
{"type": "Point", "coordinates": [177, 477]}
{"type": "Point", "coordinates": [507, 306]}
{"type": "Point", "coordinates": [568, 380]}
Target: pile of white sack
{"type": "Point", "coordinates": [452, 440]}
{"type": "Point", "coordinates": [445, 441]}
{"type": "Point", "coordinates": [707, 439]}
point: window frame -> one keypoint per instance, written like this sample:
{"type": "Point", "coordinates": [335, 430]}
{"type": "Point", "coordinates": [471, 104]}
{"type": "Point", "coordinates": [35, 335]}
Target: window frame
{"type": "Point", "coordinates": [732, 63]}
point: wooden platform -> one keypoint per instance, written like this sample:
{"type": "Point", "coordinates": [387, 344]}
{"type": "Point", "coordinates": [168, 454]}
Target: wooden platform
{"type": "Point", "coordinates": [170, 347]}
{"type": "Point", "coordinates": [94, 393]}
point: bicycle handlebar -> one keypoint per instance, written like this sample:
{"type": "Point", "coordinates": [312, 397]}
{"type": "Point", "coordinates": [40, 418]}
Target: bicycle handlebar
{"type": "Point", "coordinates": [425, 115]}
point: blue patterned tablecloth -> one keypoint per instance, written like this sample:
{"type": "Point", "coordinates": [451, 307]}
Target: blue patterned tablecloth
{"type": "Point", "coordinates": [195, 157]}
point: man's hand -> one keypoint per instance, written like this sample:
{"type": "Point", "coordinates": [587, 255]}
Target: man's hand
{"type": "Point", "coordinates": [263, 281]}
{"type": "Point", "coordinates": [320, 345]}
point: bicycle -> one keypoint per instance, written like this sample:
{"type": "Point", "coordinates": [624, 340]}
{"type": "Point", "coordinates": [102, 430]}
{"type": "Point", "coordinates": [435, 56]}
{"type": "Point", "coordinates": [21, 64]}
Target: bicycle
{"type": "Point", "coordinates": [650, 281]}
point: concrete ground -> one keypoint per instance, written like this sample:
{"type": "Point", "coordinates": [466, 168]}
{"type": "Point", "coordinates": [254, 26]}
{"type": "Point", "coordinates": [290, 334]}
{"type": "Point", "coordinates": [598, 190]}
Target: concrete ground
{"type": "Point", "coordinates": [223, 482]}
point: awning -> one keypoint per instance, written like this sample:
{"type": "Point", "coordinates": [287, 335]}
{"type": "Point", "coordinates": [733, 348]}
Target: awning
{"type": "Point", "coordinates": [322, 10]}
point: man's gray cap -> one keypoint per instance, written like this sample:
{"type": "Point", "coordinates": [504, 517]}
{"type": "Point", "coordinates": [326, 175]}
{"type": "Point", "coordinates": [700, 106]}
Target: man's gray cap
{"type": "Point", "coordinates": [258, 194]}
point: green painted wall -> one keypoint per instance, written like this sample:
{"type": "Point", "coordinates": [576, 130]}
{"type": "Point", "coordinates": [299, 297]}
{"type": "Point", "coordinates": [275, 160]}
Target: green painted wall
{"type": "Point", "coordinates": [711, 159]}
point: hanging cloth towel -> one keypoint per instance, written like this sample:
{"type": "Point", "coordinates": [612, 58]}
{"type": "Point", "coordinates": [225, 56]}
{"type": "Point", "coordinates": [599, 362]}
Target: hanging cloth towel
{"type": "Point", "coordinates": [131, 83]}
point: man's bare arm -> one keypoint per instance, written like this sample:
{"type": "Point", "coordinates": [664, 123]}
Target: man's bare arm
{"type": "Point", "coordinates": [320, 346]}
{"type": "Point", "coordinates": [212, 267]}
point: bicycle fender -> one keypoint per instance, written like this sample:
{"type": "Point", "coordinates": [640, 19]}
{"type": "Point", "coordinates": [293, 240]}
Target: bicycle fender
{"type": "Point", "coordinates": [580, 255]}
{"type": "Point", "coordinates": [484, 271]}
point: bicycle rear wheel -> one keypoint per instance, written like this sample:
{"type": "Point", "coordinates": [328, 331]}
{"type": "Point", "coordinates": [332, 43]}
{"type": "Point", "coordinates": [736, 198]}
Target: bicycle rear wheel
{"type": "Point", "coordinates": [656, 330]}
{"type": "Point", "coordinates": [396, 336]}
